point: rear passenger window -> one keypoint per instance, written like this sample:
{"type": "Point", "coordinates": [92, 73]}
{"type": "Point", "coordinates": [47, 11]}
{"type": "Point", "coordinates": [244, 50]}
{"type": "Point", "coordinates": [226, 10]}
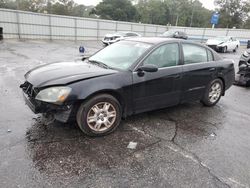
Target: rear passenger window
{"type": "Point", "coordinates": [194, 54]}
{"type": "Point", "coordinates": [210, 56]}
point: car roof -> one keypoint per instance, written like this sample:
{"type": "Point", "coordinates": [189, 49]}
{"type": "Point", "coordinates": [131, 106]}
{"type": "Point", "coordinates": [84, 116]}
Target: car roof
{"type": "Point", "coordinates": [153, 40]}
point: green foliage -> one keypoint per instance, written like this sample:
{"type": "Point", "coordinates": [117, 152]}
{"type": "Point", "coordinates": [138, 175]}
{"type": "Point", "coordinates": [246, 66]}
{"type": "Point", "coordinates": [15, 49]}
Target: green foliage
{"type": "Point", "coordinates": [122, 10]}
{"type": "Point", "coordinates": [153, 11]}
{"type": "Point", "coordinates": [233, 13]}
{"type": "Point", "coordinates": [174, 12]}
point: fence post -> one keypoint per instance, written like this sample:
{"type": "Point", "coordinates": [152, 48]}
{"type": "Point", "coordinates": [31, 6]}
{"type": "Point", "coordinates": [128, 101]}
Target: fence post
{"type": "Point", "coordinates": [185, 29]}
{"type": "Point", "coordinates": [227, 31]}
{"type": "Point", "coordinates": [116, 26]}
{"type": "Point", "coordinates": [203, 34]}
{"type": "Point", "coordinates": [18, 25]}
{"type": "Point", "coordinates": [98, 27]}
{"type": "Point", "coordinates": [75, 29]}
{"type": "Point", "coordinates": [50, 29]}
{"type": "Point", "coordinates": [157, 30]}
{"type": "Point", "coordinates": [144, 30]}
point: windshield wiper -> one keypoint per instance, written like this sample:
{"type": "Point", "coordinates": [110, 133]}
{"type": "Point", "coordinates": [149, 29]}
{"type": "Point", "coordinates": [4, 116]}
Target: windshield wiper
{"type": "Point", "coordinates": [101, 64]}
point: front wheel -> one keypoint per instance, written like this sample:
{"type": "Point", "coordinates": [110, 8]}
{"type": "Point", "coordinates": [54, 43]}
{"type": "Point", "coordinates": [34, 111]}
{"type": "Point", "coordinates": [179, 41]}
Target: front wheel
{"type": "Point", "coordinates": [213, 93]}
{"type": "Point", "coordinates": [99, 115]}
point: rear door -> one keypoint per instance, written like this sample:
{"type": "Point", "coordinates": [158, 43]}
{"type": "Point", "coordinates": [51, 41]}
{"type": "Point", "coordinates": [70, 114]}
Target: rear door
{"type": "Point", "coordinates": [162, 88]}
{"type": "Point", "coordinates": [198, 71]}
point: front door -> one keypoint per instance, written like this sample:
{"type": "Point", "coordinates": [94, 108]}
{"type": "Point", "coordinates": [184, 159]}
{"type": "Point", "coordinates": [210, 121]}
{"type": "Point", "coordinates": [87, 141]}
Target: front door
{"type": "Point", "coordinates": [162, 88]}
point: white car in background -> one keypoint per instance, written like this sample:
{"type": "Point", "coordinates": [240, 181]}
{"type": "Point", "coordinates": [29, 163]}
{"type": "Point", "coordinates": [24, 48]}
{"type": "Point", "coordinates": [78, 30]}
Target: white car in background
{"type": "Point", "coordinates": [115, 37]}
{"type": "Point", "coordinates": [223, 44]}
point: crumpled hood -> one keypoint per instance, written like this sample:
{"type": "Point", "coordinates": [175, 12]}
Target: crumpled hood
{"type": "Point", "coordinates": [214, 42]}
{"type": "Point", "coordinates": [64, 73]}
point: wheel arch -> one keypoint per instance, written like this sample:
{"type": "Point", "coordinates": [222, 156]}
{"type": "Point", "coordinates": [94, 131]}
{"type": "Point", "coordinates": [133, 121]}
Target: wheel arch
{"type": "Point", "coordinates": [224, 85]}
{"type": "Point", "coordinates": [111, 92]}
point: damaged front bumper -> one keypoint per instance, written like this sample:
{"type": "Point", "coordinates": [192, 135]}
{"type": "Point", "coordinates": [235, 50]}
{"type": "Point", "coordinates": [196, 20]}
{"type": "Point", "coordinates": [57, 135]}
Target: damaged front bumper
{"type": "Point", "coordinates": [62, 113]}
{"type": "Point", "coordinates": [216, 48]}
{"type": "Point", "coordinates": [243, 76]}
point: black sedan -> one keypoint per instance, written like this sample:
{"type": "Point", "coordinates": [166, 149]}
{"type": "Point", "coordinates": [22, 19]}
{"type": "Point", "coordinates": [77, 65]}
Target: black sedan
{"type": "Point", "coordinates": [126, 78]}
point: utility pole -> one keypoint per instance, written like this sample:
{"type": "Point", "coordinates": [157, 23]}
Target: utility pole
{"type": "Point", "coordinates": [192, 16]}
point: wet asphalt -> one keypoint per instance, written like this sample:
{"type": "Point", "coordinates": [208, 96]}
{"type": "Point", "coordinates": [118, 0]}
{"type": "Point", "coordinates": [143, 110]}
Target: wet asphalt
{"type": "Point", "coordinates": [184, 146]}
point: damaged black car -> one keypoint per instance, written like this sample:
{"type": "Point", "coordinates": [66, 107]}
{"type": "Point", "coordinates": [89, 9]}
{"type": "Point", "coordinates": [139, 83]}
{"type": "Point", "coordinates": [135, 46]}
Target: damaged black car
{"type": "Point", "coordinates": [126, 78]}
{"type": "Point", "coordinates": [243, 75]}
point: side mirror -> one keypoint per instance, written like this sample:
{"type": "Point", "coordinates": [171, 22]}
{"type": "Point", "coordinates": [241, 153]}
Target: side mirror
{"type": "Point", "coordinates": [148, 68]}
{"type": "Point", "coordinates": [85, 57]}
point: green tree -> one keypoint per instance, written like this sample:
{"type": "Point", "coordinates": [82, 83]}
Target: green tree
{"type": "Point", "coordinates": [152, 11]}
{"type": "Point", "coordinates": [233, 13]}
{"type": "Point", "coordinates": [174, 12]}
{"type": "Point", "coordinates": [63, 7]}
{"type": "Point", "coordinates": [8, 4]}
{"type": "Point", "coordinates": [122, 10]}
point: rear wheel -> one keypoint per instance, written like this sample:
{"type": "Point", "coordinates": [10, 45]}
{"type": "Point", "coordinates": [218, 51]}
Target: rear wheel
{"type": "Point", "coordinates": [213, 93]}
{"type": "Point", "coordinates": [236, 48]}
{"type": "Point", "coordinates": [99, 115]}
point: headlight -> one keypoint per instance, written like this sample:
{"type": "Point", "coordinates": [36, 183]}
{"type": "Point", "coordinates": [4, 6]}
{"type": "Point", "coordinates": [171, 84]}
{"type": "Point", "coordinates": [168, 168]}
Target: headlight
{"type": "Point", "coordinates": [246, 54]}
{"type": "Point", "coordinates": [54, 94]}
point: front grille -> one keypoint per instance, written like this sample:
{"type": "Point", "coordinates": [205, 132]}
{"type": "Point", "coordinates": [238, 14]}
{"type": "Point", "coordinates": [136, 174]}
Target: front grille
{"type": "Point", "coordinates": [214, 47]}
{"type": "Point", "coordinates": [28, 89]}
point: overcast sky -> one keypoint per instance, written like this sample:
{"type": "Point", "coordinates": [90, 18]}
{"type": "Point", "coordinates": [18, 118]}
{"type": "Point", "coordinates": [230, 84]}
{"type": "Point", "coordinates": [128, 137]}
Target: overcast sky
{"type": "Point", "coordinates": [209, 4]}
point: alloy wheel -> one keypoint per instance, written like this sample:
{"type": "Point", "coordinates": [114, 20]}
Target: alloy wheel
{"type": "Point", "coordinates": [214, 92]}
{"type": "Point", "coordinates": [101, 116]}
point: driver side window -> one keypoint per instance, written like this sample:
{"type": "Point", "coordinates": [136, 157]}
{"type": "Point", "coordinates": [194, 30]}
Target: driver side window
{"type": "Point", "coordinates": [164, 56]}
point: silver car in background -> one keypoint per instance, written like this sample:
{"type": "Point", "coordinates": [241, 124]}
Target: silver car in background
{"type": "Point", "coordinates": [115, 37]}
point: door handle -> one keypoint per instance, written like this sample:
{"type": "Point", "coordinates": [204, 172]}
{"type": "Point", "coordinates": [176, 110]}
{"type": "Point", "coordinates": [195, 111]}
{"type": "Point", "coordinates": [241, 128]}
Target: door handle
{"type": "Point", "coordinates": [211, 69]}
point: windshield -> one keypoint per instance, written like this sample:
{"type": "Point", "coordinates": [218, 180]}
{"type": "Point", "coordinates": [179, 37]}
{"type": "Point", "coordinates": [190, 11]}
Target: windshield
{"type": "Point", "coordinates": [168, 33]}
{"type": "Point", "coordinates": [223, 39]}
{"type": "Point", "coordinates": [120, 55]}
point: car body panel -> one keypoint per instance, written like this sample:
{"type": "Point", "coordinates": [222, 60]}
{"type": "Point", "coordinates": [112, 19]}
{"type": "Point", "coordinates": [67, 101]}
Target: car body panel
{"type": "Point", "coordinates": [64, 73]}
{"type": "Point", "coordinates": [152, 91]}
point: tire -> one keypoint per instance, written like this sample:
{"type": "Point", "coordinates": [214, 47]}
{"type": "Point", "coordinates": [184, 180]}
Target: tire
{"type": "Point", "coordinates": [224, 49]}
{"type": "Point", "coordinates": [92, 118]}
{"type": "Point", "coordinates": [236, 48]}
{"type": "Point", "coordinates": [213, 94]}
